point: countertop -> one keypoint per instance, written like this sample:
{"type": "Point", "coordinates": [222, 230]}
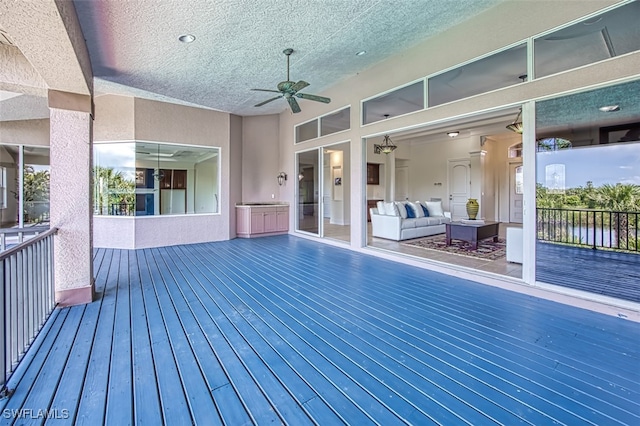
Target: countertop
{"type": "Point", "coordinates": [257, 204]}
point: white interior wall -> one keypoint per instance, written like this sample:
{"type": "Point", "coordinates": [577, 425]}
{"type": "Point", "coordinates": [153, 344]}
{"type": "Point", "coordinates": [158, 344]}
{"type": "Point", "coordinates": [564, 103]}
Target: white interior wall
{"type": "Point", "coordinates": [206, 176]}
{"type": "Point", "coordinates": [429, 166]}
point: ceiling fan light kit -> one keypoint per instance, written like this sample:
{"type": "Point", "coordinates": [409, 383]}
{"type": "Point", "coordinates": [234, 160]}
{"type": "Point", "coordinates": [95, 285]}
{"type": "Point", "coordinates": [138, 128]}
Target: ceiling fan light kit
{"type": "Point", "coordinates": [289, 90]}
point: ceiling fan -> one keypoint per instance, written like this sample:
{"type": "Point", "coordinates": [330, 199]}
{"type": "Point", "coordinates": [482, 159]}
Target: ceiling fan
{"type": "Point", "coordinates": [289, 90]}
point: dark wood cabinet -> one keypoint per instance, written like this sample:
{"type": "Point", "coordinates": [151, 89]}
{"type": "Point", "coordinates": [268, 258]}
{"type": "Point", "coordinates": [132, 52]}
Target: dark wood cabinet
{"type": "Point", "coordinates": [173, 179]}
{"type": "Point", "coordinates": [373, 174]}
{"type": "Point", "coordinates": [179, 179]}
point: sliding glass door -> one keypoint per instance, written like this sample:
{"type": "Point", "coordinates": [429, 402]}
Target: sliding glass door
{"type": "Point", "coordinates": [308, 207]}
{"type": "Point", "coordinates": [324, 192]}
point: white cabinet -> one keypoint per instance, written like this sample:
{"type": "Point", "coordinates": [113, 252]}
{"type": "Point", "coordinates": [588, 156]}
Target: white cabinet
{"type": "Point", "coordinates": [259, 220]}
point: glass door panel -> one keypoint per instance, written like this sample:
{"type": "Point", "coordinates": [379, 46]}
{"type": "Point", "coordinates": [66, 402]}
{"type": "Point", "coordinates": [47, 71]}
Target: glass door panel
{"type": "Point", "coordinates": [588, 192]}
{"type": "Point", "coordinates": [336, 192]}
{"type": "Point", "coordinates": [308, 208]}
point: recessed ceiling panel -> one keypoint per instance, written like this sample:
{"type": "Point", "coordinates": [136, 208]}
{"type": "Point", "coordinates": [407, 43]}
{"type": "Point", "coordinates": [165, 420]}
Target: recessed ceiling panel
{"type": "Point", "coordinates": [610, 34]}
{"type": "Point", "coordinates": [493, 72]}
{"type": "Point", "coordinates": [400, 101]}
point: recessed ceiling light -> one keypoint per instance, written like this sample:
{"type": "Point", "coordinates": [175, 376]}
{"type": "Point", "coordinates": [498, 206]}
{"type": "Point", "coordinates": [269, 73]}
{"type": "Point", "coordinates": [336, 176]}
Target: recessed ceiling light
{"type": "Point", "coordinates": [187, 38]}
{"type": "Point", "coordinates": [453, 134]}
{"type": "Point", "coordinates": [360, 53]}
{"type": "Point", "coordinates": [610, 108]}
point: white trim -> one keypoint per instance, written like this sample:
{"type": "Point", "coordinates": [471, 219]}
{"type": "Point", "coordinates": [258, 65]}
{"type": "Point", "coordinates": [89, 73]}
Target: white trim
{"type": "Point", "coordinates": [529, 195]}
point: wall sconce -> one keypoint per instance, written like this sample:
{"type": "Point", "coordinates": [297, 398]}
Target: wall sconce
{"type": "Point", "coordinates": [300, 176]}
{"type": "Point", "coordinates": [282, 177]}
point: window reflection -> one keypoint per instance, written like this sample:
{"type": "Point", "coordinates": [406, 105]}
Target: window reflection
{"type": "Point", "coordinates": [147, 179]}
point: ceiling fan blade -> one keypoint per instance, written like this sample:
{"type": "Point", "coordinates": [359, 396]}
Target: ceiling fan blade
{"type": "Point", "coordinates": [299, 85]}
{"type": "Point", "coordinates": [313, 98]}
{"type": "Point", "coordinates": [267, 101]}
{"type": "Point", "coordinates": [294, 105]}
{"type": "Point", "coordinates": [265, 90]}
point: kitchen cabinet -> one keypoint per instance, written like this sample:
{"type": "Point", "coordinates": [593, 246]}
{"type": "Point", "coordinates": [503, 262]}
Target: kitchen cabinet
{"type": "Point", "coordinates": [173, 179]}
{"type": "Point", "coordinates": [373, 174]}
{"type": "Point", "coordinates": [260, 220]}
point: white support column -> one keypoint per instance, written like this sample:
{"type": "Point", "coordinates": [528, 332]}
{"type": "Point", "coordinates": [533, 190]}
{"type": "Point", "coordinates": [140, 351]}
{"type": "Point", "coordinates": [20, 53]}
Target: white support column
{"type": "Point", "coordinates": [70, 196]}
{"type": "Point", "coordinates": [390, 176]}
{"type": "Point", "coordinates": [477, 162]}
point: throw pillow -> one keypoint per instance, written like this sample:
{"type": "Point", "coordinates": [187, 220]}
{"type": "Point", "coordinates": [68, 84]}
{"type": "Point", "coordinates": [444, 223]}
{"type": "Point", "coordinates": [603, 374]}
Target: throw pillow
{"type": "Point", "coordinates": [435, 208]}
{"type": "Point", "coordinates": [401, 209]}
{"type": "Point", "coordinates": [424, 210]}
{"type": "Point", "coordinates": [410, 213]}
{"type": "Point", "coordinates": [390, 209]}
{"type": "Point", "coordinates": [380, 205]}
{"type": "Point", "coordinates": [417, 209]}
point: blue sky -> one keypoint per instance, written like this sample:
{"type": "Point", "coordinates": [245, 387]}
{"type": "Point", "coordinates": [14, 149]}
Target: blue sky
{"type": "Point", "coordinates": [614, 163]}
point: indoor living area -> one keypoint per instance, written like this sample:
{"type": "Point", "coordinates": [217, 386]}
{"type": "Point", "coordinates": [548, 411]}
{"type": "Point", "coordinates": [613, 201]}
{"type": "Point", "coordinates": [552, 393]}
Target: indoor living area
{"type": "Point", "coordinates": [586, 208]}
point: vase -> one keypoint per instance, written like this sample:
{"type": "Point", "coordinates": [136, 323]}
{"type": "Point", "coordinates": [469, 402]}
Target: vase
{"type": "Point", "coordinates": [472, 208]}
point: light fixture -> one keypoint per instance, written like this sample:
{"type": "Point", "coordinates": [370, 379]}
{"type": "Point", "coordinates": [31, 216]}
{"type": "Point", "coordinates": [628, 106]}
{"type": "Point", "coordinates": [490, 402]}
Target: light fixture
{"type": "Point", "coordinates": [453, 134]}
{"type": "Point", "coordinates": [387, 146]}
{"type": "Point", "coordinates": [159, 174]}
{"type": "Point", "coordinates": [610, 108]}
{"type": "Point", "coordinates": [516, 126]}
{"type": "Point", "coordinates": [300, 176]}
{"type": "Point", "coordinates": [187, 38]}
{"type": "Point", "coordinates": [282, 177]}
{"type": "Point", "coordinates": [360, 53]}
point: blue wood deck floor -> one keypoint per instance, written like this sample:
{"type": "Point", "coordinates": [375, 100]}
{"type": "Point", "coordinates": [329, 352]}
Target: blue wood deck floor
{"type": "Point", "coordinates": [283, 330]}
{"type": "Point", "coordinates": [610, 273]}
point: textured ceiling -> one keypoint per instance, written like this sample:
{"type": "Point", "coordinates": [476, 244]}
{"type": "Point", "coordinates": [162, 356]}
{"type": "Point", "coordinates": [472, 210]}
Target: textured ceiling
{"type": "Point", "coordinates": [134, 45]}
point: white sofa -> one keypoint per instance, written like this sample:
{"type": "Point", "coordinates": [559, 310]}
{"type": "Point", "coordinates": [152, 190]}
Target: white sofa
{"type": "Point", "coordinates": [398, 226]}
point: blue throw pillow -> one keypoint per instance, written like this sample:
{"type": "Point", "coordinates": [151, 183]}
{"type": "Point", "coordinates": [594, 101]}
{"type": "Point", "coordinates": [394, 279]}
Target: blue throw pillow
{"type": "Point", "coordinates": [424, 209]}
{"type": "Point", "coordinates": [410, 213]}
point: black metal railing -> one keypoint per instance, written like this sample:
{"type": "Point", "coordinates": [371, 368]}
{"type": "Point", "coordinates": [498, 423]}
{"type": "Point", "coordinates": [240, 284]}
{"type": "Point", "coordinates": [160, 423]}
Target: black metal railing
{"type": "Point", "coordinates": [122, 209]}
{"type": "Point", "coordinates": [26, 300]}
{"type": "Point", "coordinates": [598, 229]}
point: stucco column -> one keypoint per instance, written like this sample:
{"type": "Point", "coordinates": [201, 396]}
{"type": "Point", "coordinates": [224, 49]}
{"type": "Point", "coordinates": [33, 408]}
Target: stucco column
{"type": "Point", "coordinates": [477, 159]}
{"type": "Point", "coordinates": [70, 196]}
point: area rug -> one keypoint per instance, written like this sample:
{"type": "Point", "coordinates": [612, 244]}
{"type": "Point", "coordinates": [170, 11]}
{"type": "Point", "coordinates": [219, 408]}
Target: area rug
{"type": "Point", "coordinates": [487, 249]}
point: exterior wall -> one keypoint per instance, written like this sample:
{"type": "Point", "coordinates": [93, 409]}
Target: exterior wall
{"type": "Point", "coordinates": [260, 148]}
{"type": "Point", "coordinates": [25, 132]}
{"type": "Point", "coordinates": [232, 174]}
{"type": "Point", "coordinates": [114, 118]}
{"type": "Point", "coordinates": [125, 118]}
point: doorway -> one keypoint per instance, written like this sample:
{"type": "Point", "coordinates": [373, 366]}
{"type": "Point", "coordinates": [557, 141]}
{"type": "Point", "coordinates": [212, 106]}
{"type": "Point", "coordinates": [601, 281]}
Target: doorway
{"type": "Point", "coordinates": [459, 187]}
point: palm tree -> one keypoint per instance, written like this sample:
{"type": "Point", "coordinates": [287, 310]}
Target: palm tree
{"type": "Point", "coordinates": [35, 195]}
{"type": "Point", "coordinates": [621, 199]}
{"type": "Point", "coordinates": [113, 192]}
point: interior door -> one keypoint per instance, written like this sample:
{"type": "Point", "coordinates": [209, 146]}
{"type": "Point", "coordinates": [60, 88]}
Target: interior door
{"type": "Point", "coordinates": [459, 187]}
{"type": "Point", "coordinates": [515, 192]}
{"type": "Point", "coordinates": [402, 183]}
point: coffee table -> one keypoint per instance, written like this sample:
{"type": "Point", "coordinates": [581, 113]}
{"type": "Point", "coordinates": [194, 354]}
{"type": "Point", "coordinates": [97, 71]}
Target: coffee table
{"type": "Point", "coordinates": [471, 233]}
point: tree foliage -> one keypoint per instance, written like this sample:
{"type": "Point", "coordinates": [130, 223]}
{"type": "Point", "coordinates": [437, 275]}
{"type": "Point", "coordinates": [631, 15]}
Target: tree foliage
{"type": "Point", "coordinates": [114, 193]}
{"type": "Point", "coordinates": [619, 197]}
